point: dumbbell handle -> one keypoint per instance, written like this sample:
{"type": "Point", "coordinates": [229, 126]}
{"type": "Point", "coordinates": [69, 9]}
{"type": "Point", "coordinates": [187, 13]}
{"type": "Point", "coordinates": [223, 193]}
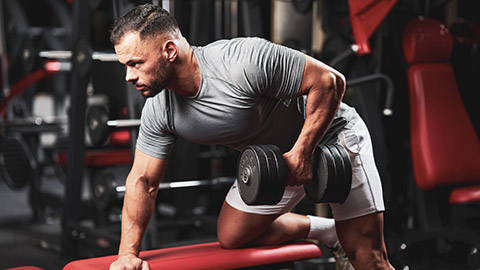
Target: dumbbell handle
{"type": "Point", "coordinates": [124, 123]}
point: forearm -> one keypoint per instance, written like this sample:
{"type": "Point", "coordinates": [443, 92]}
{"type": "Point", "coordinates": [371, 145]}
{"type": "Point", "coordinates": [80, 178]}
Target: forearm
{"type": "Point", "coordinates": [138, 206]}
{"type": "Point", "coordinates": [323, 101]}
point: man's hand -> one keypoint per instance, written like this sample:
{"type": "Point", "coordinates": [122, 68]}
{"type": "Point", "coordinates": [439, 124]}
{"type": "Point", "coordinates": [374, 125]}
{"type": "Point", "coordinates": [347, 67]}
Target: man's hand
{"type": "Point", "coordinates": [129, 262]}
{"type": "Point", "coordinates": [299, 167]}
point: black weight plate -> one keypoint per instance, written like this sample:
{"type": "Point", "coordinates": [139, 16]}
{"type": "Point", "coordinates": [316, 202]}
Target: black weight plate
{"type": "Point", "coordinates": [250, 174]}
{"type": "Point", "coordinates": [103, 189]}
{"type": "Point", "coordinates": [316, 188]}
{"type": "Point", "coordinates": [336, 192]}
{"type": "Point", "coordinates": [264, 194]}
{"type": "Point", "coordinates": [329, 195]}
{"type": "Point", "coordinates": [17, 163]}
{"type": "Point", "coordinates": [28, 56]}
{"type": "Point", "coordinates": [82, 57]}
{"type": "Point", "coordinates": [96, 120]}
{"type": "Point", "coordinates": [282, 167]}
{"type": "Point", "coordinates": [277, 175]}
{"type": "Point", "coordinates": [272, 191]}
{"type": "Point", "coordinates": [347, 173]}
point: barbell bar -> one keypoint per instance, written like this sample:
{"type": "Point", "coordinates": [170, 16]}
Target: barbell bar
{"type": "Point", "coordinates": [67, 55]}
{"type": "Point", "coordinates": [107, 192]}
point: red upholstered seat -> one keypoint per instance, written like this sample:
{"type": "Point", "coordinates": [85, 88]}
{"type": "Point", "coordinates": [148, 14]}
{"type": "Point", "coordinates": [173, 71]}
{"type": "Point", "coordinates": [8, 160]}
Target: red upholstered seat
{"type": "Point", "coordinates": [211, 256]}
{"type": "Point", "coordinates": [445, 147]}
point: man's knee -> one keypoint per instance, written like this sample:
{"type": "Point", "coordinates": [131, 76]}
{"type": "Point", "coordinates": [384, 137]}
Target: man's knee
{"type": "Point", "coordinates": [228, 240]}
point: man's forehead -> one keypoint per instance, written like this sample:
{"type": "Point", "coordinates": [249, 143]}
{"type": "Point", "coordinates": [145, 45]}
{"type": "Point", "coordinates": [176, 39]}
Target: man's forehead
{"type": "Point", "coordinates": [129, 38]}
{"type": "Point", "coordinates": [127, 47]}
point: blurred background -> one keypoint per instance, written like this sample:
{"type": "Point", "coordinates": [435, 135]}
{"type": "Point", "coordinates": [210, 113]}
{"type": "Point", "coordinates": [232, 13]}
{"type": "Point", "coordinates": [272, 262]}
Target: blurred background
{"type": "Point", "coordinates": [62, 179]}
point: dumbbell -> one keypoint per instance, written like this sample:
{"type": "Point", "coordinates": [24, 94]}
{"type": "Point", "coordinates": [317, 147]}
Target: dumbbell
{"type": "Point", "coordinates": [99, 125]}
{"type": "Point", "coordinates": [262, 175]}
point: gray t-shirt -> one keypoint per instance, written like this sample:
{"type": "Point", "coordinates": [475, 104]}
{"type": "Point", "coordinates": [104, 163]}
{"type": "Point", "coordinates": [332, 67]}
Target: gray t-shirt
{"type": "Point", "coordinates": [247, 96]}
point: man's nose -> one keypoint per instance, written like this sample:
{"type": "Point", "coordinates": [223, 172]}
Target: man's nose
{"type": "Point", "coordinates": [130, 75]}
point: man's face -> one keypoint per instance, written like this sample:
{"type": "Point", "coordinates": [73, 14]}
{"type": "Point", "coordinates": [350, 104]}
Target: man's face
{"type": "Point", "coordinates": [147, 67]}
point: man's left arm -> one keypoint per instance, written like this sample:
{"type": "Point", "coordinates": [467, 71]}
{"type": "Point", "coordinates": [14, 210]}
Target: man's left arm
{"type": "Point", "coordinates": [324, 88]}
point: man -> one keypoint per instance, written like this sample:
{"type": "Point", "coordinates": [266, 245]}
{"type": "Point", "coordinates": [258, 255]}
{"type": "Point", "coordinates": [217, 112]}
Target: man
{"type": "Point", "coordinates": [236, 93]}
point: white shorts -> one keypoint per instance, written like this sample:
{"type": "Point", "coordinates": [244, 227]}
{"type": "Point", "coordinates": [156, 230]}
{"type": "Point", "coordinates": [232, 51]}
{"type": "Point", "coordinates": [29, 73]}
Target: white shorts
{"type": "Point", "coordinates": [366, 195]}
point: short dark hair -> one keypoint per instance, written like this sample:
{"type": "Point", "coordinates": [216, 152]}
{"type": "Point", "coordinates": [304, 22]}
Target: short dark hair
{"type": "Point", "coordinates": [146, 19]}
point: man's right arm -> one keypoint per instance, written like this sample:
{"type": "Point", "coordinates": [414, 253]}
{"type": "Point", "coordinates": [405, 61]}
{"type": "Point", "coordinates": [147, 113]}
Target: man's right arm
{"type": "Point", "coordinates": [139, 202]}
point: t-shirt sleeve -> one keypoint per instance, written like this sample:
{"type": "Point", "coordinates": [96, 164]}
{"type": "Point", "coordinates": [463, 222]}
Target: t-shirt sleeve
{"type": "Point", "coordinates": [273, 70]}
{"type": "Point", "coordinates": [155, 138]}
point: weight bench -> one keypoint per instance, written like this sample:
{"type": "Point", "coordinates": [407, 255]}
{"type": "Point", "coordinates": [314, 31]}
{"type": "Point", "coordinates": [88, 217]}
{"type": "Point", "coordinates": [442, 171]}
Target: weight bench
{"type": "Point", "coordinates": [212, 256]}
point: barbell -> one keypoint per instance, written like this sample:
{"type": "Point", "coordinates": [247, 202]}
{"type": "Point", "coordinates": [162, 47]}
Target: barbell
{"type": "Point", "coordinates": [107, 191]}
{"type": "Point", "coordinates": [99, 125]}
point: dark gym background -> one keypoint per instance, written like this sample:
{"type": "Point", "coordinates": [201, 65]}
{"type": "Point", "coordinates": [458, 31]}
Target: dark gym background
{"type": "Point", "coordinates": [46, 221]}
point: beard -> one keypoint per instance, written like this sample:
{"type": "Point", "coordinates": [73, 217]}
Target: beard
{"type": "Point", "coordinates": [162, 79]}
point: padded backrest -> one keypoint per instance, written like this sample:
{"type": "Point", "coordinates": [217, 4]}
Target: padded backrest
{"type": "Point", "coordinates": [445, 147]}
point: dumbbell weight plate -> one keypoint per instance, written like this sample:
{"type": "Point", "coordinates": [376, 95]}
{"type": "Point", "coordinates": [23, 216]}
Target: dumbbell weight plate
{"type": "Point", "coordinates": [330, 192]}
{"type": "Point", "coordinates": [267, 195]}
{"type": "Point", "coordinates": [250, 174]}
{"type": "Point", "coordinates": [277, 173]}
{"type": "Point", "coordinates": [323, 170]}
{"type": "Point", "coordinates": [345, 181]}
{"type": "Point", "coordinates": [254, 177]}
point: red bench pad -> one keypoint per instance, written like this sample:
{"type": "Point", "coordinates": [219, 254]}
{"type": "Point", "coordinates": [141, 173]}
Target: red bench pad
{"type": "Point", "coordinates": [211, 256]}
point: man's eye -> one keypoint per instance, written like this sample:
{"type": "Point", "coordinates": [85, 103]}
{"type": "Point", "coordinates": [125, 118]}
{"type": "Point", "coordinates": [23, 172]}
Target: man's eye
{"type": "Point", "coordinates": [133, 64]}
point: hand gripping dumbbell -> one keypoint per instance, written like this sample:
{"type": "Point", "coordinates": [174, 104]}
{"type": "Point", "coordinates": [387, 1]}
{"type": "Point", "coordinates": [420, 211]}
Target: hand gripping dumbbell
{"type": "Point", "coordinates": [262, 172]}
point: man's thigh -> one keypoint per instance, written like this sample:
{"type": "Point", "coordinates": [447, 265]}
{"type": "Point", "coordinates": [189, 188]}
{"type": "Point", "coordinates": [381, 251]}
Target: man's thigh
{"type": "Point", "coordinates": [236, 228]}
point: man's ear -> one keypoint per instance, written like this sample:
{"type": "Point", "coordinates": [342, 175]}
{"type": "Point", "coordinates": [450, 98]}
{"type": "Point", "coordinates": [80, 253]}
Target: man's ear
{"type": "Point", "coordinates": [170, 50]}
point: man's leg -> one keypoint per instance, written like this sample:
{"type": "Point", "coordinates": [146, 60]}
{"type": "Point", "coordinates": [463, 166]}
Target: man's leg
{"type": "Point", "coordinates": [363, 242]}
{"type": "Point", "coordinates": [240, 224]}
{"type": "Point", "coordinates": [237, 228]}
